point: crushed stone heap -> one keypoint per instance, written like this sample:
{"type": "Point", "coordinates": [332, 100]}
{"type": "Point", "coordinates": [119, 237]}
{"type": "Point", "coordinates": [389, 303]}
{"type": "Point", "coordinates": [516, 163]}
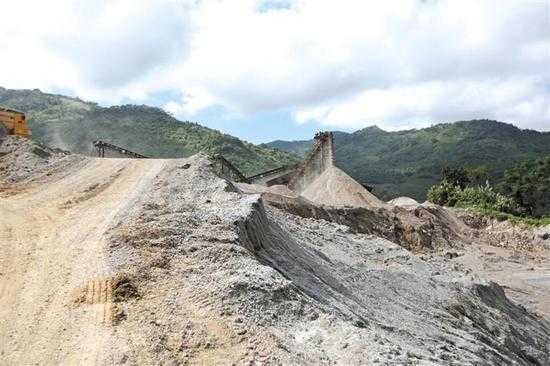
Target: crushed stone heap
{"type": "Point", "coordinates": [162, 262]}
{"type": "Point", "coordinates": [24, 159]}
{"type": "Point", "coordinates": [335, 188]}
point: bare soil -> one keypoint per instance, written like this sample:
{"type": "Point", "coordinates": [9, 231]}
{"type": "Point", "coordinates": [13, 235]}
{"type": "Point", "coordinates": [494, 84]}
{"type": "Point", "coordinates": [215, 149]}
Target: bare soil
{"type": "Point", "coordinates": [118, 261]}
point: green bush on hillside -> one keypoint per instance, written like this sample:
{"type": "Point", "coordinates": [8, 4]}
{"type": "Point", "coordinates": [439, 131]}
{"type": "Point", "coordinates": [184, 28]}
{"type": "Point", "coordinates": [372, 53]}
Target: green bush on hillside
{"type": "Point", "coordinates": [482, 198]}
{"type": "Point", "coordinates": [487, 198]}
{"type": "Point", "coordinates": [444, 194]}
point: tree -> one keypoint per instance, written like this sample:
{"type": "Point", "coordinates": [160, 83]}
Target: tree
{"type": "Point", "coordinates": [456, 176]}
{"type": "Point", "coordinates": [478, 175]}
{"type": "Point", "coordinates": [529, 184]}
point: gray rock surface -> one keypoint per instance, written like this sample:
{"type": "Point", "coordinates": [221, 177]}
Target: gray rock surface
{"type": "Point", "coordinates": [296, 290]}
{"type": "Point", "coordinates": [3, 132]}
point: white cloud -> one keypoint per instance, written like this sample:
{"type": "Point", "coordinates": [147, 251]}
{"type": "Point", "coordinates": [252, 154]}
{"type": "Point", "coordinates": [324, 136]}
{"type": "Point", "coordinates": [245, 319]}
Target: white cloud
{"type": "Point", "coordinates": [190, 103]}
{"type": "Point", "coordinates": [422, 104]}
{"type": "Point", "coordinates": [125, 40]}
{"type": "Point", "coordinates": [347, 63]}
{"type": "Point", "coordinates": [107, 50]}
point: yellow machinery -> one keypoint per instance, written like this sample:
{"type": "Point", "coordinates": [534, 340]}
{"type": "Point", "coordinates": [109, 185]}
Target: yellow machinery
{"type": "Point", "coordinates": [14, 121]}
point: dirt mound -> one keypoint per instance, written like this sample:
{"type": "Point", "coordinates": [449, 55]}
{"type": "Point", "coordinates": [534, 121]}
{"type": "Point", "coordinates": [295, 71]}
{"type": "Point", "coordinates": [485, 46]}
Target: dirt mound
{"type": "Point", "coordinates": [404, 202]}
{"type": "Point", "coordinates": [335, 188]}
{"type": "Point", "coordinates": [22, 159]}
{"type": "Point", "coordinates": [285, 289]}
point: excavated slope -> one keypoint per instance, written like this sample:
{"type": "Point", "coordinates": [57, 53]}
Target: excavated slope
{"type": "Point", "coordinates": [111, 261]}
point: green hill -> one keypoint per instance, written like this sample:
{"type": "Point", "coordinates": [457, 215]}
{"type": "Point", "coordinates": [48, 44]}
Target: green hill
{"type": "Point", "coordinates": [407, 163]}
{"type": "Point", "coordinates": [72, 124]}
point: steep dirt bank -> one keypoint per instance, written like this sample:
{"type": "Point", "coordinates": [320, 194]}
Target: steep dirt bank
{"type": "Point", "coordinates": [161, 262]}
{"type": "Point", "coordinates": [422, 229]}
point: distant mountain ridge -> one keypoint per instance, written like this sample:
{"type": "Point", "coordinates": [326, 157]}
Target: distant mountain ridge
{"type": "Point", "coordinates": [401, 163]}
{"type": "Point", "coordinates": [72, 124]}
{"type": "Point", "coordinates": [407, 163]}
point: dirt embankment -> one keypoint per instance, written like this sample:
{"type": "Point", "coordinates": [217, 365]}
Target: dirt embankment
{"type": "Point", "coordinates": [161, 262]}
{"type": "Point", "coordinates": [422, 229]}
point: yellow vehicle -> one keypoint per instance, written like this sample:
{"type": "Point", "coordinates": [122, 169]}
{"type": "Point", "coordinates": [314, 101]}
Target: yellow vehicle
{"type": "Point", "coordinates": [14, 121]}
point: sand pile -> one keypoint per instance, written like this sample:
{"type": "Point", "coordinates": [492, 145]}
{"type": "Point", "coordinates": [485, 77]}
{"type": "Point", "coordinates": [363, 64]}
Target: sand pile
{"type": "Point", "coordinates": [404, 202]}
{"type": "Point", "coordinates": [335, 188]}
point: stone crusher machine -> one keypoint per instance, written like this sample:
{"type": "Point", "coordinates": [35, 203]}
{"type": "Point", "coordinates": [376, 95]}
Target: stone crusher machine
{"type": "Point", "coordinates": [14, 122]}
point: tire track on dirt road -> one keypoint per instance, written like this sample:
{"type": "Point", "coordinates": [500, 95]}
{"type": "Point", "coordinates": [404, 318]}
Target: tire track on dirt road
{"type": "Point", "coordinates": [48, 251]}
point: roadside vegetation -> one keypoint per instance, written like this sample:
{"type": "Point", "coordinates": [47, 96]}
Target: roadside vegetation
{"type": "Point", "coordinates": [521, 196]}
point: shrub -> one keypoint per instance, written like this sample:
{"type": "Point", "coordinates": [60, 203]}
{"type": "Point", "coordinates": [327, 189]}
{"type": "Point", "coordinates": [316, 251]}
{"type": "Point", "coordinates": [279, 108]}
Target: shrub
{"type": "Point", "coordinates": [487, 198]}
{"type": "Point", "coordinates": [484, 198]}
{"type": "Point", "coordinates": [445, 193]}
{"type": "Point", "coordinates": [456, 176]}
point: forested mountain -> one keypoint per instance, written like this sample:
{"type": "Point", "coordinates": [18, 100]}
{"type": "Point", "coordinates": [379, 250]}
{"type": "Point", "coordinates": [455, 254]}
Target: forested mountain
{"type": "Point", "coordinates": [72, 124]}
{"type": "Point", "coordinates": [407, 163]}
{"type": "Point", "coordinates": [402, 163]}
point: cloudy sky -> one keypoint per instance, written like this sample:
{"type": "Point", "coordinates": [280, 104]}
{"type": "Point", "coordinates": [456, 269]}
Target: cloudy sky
{"type": "Point", "coordinates": [268, 69]}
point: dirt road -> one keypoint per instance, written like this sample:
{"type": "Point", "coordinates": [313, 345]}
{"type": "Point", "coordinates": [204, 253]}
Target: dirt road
{"type": "Point", "coordinates": [52, 240]}
{"type": "Point", "coordinates": [525, 276]}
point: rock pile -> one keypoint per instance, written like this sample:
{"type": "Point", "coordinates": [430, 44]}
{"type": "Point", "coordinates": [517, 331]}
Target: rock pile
{"type": "Point", "coordinates": [256, 284]}
{"type": "Point", "coordinates": [23, 159]}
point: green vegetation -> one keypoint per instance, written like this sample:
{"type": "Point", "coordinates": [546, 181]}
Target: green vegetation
{"type": "Point", "coordinates": [73, 124]}
{"type": "Point", "coordinates": [482, 198]}
{"type": "Point", "coordinates": [524, 195]}
{"type": "Point", "coordinates": [529, 184]}
{"type": "Point", "coordinates": [502, 216]}
{"type": "Point", "coordinates": [407, 163]}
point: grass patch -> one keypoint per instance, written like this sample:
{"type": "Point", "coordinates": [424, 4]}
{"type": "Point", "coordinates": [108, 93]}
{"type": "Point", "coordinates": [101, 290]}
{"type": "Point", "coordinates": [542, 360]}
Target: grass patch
{"type": "Point", "coordinates": [503, 216]}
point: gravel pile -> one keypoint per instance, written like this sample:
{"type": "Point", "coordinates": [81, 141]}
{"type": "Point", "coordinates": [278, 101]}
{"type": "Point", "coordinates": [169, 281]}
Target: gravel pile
{"type": "Point", "coordinates": [335, 188]}
{"type": "Point", "coordinates": [23, 159]}
{"type": "Point", "coordinates": [221, 278]}
{"type": "Point", "coordinates": [404, 202]}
